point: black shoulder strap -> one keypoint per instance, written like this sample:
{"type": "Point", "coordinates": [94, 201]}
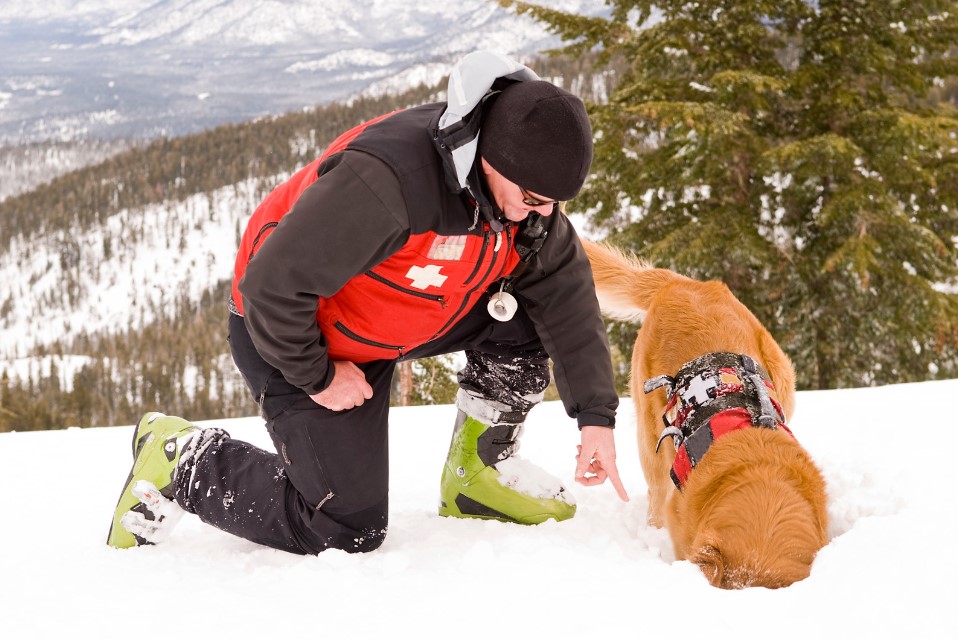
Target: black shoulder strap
{"type": "Point", "coordinates": [532, 234]}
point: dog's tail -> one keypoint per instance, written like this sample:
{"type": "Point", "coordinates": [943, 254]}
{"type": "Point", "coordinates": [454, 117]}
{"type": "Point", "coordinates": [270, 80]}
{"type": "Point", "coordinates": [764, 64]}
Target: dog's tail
{"type": "Point", "coordinates": [625, 284]}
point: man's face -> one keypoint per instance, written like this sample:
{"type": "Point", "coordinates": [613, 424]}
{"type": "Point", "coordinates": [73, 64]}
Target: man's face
{"type": "Point", "coordinates": [516, 203]}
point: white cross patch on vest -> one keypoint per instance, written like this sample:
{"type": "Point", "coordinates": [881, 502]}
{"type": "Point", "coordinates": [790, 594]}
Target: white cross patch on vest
{"type": "Point", "coordinates": [425, 277]}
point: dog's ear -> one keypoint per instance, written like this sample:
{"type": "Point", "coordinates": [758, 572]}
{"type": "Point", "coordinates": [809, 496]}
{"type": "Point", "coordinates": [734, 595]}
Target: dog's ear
{"type": "Point", "coordinates": [708, 557]}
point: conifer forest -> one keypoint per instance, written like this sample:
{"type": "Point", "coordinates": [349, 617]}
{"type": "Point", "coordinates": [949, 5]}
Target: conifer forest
{"type": "Point", "coordinates": [804, 153]}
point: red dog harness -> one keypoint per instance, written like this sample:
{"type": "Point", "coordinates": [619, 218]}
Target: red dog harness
{"type": "Point", "coordinates": [711, 396]}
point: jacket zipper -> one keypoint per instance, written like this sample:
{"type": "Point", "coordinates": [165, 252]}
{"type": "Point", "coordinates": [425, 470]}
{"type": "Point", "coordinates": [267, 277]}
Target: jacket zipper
{"type": "Point", "coordinates": [358, 338]}
{"type": "Point", "coordinates": [419, 294]}
{"type": "Point", "coordinates": [482, 254]}
{"type": "Point", "coordinates": [465, 300]}
{"type": "Point", "coordinates": [259, 234]}
{"type": "Point", "coordinates": [492, 265]}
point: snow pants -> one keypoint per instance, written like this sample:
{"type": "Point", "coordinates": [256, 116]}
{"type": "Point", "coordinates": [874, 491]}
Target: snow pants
{"type": "Point", "coordinates": [327, 485]}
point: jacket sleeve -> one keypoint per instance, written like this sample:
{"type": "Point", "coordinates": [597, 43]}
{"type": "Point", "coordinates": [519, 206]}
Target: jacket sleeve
{"type": "Point", "coordinates": [350, 219]}
{"type": "Point", "coordinates": [558, 293]}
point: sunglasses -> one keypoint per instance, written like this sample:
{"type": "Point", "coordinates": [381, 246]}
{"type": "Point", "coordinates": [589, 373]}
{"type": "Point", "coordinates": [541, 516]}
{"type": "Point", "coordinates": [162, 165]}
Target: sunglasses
{"type": "Point", "coordinates": [530, 200]}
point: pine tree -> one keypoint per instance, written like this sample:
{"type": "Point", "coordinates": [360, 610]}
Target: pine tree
{"type": "Point", "coordinates": [796, 150]}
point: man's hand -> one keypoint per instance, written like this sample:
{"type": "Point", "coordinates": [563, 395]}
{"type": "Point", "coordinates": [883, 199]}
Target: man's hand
{"type": "Point", "coordinates": [596, 460]}
{"type": "Point", "coordinates": [349, 388]}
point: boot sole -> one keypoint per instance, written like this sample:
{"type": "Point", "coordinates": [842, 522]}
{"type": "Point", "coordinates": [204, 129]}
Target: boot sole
{"type": "Point", "coordinates": [119, 537]}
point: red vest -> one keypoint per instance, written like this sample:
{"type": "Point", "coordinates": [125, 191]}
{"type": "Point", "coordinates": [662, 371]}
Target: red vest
{"type": "Point", "coordinates": [412, 297]}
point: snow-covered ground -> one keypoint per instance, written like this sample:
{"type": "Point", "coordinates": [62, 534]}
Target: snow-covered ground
{"type": "Point", "coordinates": [886, 573]}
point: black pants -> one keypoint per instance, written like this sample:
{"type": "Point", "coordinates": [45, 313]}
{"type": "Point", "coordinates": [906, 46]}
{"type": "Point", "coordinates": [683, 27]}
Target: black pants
{"type": "Point", "coordinates": [328, 484]}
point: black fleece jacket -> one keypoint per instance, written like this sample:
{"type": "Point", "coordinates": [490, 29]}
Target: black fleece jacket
{"type": "Point", "coordinates": [353, 217]}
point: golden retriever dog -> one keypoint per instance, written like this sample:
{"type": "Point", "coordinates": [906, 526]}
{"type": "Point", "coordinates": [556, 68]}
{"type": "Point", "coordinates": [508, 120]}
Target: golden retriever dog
{"type": "Point", "coordinates": [713, 393]}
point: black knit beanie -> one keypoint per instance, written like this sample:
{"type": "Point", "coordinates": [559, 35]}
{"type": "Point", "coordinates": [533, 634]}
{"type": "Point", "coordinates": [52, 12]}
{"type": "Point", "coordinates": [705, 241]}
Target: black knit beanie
{"type": "Point", "coordinates": [539, 137]}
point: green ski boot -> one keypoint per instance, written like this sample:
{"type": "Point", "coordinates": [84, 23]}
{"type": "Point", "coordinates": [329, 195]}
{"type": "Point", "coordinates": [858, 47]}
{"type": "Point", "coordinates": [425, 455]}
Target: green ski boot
{"type": "Point", "coordinates": [482, 478]}
{"type": "Point", "coordinates": [157, 443]}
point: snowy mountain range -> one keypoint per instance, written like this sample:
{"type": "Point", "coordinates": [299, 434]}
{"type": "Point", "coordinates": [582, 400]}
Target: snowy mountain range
{"type": "Point", "coordinates": [75, 69]}
{"type": "Point", "coordinates": [76, 74]}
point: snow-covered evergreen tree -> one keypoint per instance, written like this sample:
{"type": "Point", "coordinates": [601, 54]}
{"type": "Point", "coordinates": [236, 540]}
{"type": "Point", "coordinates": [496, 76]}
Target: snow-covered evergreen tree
{"type": "Point", "coordinates": [793, 149]}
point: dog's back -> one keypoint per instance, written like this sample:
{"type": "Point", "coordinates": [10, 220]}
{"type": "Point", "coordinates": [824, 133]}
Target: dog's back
{"type": "Point", "coordinates": [752, 513]}
{"type": "Point", "coordinates": [682, 319]}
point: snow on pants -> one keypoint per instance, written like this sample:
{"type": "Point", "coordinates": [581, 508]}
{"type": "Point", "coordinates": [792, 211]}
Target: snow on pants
{"type": "Point", "coordinates": [327, 485]}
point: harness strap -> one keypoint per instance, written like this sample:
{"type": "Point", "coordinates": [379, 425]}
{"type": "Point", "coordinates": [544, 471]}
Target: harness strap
{"type": "Point", "coordinates": [769, 415]}
{"type": "Point", "coordinates": [531, 236]}
{"type": "Point", "coordinates": [693, 449]}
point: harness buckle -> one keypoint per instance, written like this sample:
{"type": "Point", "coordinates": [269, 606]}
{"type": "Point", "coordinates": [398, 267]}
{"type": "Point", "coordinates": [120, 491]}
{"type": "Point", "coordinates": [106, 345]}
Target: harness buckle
{"type": "Point", "coordinates": [660, 381]}
{"type": "Point", "coordinates": [675, 433]}
{"type": "Point", "coordinates": [767, 418]}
